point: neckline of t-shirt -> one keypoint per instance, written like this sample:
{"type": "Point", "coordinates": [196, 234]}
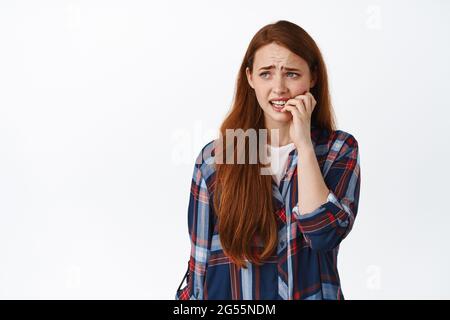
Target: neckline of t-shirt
{"type": "Point", "coordinates": [282, 147]}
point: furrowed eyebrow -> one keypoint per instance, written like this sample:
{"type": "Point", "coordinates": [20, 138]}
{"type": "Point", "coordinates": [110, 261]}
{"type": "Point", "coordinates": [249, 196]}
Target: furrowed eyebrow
{"type": "Point", "coordinates": [285, 68]}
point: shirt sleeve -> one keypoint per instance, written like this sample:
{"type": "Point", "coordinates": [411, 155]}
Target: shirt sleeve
{"type": "Point", "coordinates": [326, 226]}
{"type": "Point", "coordinates": [199, 227]}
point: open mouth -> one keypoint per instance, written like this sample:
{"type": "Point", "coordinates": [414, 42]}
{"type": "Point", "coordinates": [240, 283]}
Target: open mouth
{"type": "Point", "coordinates": [278, 105]}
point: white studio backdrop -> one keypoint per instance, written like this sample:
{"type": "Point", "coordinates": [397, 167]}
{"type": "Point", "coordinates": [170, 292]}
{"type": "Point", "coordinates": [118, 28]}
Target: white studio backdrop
{"type": "Point", "coordinates": [104, 106]}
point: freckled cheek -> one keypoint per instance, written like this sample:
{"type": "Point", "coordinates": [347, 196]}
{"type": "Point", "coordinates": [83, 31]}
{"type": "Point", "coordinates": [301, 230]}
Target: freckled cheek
{"type": "Point", "coordinates": [301, 89]}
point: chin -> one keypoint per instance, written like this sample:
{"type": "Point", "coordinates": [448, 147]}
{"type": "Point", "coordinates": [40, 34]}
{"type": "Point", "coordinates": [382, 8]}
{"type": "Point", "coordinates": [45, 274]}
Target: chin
{"type": "Point", "coordinates": [281, 116]}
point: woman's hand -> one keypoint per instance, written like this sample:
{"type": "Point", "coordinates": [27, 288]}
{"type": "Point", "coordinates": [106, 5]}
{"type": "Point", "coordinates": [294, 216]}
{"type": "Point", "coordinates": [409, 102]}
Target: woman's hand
{"type": "Point", "coordinates": [301, 108]}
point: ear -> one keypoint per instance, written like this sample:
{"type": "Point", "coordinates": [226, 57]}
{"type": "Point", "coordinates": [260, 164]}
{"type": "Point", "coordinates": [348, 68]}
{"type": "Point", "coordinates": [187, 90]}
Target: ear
{"type": "Point", "coordinates": [249, 77]}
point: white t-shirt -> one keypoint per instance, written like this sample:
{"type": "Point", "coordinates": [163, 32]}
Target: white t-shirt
{"type": "Point", "coordinates": [278, 160]}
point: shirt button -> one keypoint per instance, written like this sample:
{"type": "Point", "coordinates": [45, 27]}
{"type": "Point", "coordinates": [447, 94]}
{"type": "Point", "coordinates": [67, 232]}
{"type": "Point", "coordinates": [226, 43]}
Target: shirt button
{"type": "Point", "coordinates": [282, 243]}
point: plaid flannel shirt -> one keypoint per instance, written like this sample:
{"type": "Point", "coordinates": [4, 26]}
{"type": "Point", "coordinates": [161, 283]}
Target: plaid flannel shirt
{"type": "Point", "coordinates": [305, 265]}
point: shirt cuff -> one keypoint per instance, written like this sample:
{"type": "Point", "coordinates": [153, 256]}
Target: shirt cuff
{"type": "Point", "coordinates": [323, 217]}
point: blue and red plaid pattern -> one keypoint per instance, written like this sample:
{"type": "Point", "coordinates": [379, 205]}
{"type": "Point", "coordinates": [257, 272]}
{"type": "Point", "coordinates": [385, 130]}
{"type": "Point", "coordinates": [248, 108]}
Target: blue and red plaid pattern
{"type": "Point", "coordinates": [305, 265]}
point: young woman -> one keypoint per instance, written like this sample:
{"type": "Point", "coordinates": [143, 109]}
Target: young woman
{"type": "Point", "coordinates": [274, 236]}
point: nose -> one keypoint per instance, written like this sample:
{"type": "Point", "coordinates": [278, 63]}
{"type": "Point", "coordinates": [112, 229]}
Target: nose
{"type": "Point", "coordinates": [279, 87]}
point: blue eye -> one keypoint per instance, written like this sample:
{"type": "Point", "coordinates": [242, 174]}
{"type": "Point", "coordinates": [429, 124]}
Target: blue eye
{"type": "Point", "coordinates": [263, 74]}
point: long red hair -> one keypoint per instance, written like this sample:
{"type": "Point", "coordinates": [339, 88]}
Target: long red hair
{"type": "Point", "coordinates": [243, 196]}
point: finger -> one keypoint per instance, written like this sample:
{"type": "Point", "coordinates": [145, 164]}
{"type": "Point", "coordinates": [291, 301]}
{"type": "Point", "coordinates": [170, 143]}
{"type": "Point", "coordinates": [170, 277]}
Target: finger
{"type": "Point", "coordinates": [300, 102]}
{"type": "Point", "coordinates": [293, 110]}
{"type": "Point", "coordinates": [307, 103]}
{"type": "Point", "coordinates": [312, 97]}
{"type": "Point", "coordinates": [311, 102]}
{"type": "Point", "coordinates": [314, 102]}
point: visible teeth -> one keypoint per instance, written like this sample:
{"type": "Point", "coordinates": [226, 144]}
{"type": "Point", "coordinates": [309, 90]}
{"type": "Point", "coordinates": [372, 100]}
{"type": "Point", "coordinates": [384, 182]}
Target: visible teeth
{"type": "Point", "coordinates": [280, 103]}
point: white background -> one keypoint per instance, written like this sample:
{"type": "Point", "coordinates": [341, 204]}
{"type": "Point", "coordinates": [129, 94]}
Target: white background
{"type": "Point", "coordinates": [105, 104]}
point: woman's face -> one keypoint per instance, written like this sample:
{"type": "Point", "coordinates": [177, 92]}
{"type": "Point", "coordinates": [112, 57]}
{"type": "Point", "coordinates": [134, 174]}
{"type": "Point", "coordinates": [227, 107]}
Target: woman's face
{"type": "Point", "coordinates": [278, 73]}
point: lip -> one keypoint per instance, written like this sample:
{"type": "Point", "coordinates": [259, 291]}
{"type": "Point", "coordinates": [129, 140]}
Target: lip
{"type": "Point", "coordinates": [277, 109]}
{"type": "Point", "coordinates": [279, 99]}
